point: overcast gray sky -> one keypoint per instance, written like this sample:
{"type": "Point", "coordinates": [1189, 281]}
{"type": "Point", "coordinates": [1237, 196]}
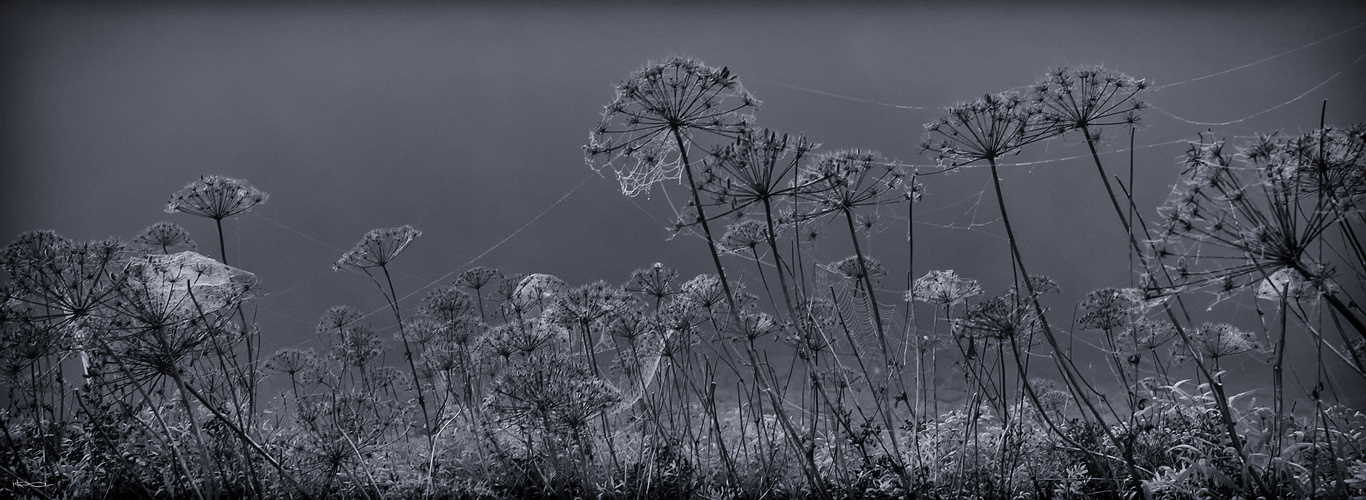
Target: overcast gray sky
{"type": "Point", "coordinates": [467, 121]}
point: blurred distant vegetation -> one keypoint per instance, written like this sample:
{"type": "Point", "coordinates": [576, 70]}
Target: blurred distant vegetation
{"type": "Point", "coordinates": [133, 369]}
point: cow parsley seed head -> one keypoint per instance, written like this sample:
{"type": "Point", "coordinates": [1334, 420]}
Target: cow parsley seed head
{"type": "Point", "coordinates": [659, 106]}
{"type": "Point", "coordinates": [377, 248]}
{"type": "Point", "coordinates": [216, 197]}
{"type": "Point", "coordinates": [943, 288]}
{"type": "Point", "coordinates": [168, 237]}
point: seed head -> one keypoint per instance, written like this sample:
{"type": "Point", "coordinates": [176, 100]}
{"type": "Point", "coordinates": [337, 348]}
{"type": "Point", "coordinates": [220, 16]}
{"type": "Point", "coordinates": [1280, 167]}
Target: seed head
{"type": "Point", "coordinates": [942, 288]}
{"type": "Point", "coordinates": [216, 197]}
{"type": "Point", "coordinates": [659, 106]}
{"type": "Point", "coordinates": [1086, 99]}
{"type": "Point", "coordinates": [165, 236]}
{"type": "Point", "coordinates": [377, 248]}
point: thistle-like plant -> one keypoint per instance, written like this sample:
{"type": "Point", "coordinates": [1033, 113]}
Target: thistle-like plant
{"type": "Point", "coordinates": [216, 198]}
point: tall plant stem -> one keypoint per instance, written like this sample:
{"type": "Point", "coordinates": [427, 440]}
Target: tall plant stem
{"type": "Point", "coordinates": [1063, 362]}
{"type": "Point", "coordinates": [809, 465]}
{"type": "Point", "coordinates": [222, 249]}
{"type": "Point", "coordinates": [1105, 179]}
{"type": "Point", "coordinates": [417, 382]}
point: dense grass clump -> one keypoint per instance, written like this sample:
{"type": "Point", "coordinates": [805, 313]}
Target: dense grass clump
{"type": "Point", "coordinates": [131, 369]}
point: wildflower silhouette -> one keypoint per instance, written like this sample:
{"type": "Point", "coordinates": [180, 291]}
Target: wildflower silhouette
{"type": "Point", "coordinates": [943, 288]}
{"type": "Point", "coordinates": [1110, 308]}
{"type": "Point", "coordinates": [655, 282]}
{"type": "Point", "coordinates": [60, 282]}
{"type": "Point", "coordinates": [997, 319]}
{"type": "Point", "coordinates": [853, 268]}
{"type": "Point", "coordinates": [216, 198]}
{"type": "Point", "coordinates": [476, 278]}
{"type": "Point", "coordinates": [1237, 220]}
{"type": "Point", "coordinates": [1087, 100]}
{"type": "Point", "coordinates": [377, 249]}
{"type": "Point", "coordinates": [166, 236]}
{"type": "Point", "coordinates": [986, 130]}
{"type": "Point", "coordinates": [582, 306]}
{"type": "Point", "coordinates": [1215, 341]}
{"type": "Point", "coordinates": [658, 114]}
{"type": "Point", "coordinates": [759, 168]}
{"type": "Point", "coordinates": [744, 236]}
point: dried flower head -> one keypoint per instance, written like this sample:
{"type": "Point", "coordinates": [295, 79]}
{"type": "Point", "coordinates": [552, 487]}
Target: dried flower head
{"type": "Point", "coordinates": [588, 303]}
{"type": "Point", "coordinates": [655, 281]}
{"type": "Point", "coordinates": [1145, 334]}
{"type": "Point", "coordinates": [1214, 341]}
{"type": "Point", "coordinates": [988, 128]}
{"type": "Point", "coordinates": [1110, 308]}
{"type": "Point", "coordinates": [216, 197]}
{"type": "Point", "coordinates": [377, 248]}
{"type": "Point", "coordinates": [1086, 99]}
{"type": "Point", "coordinates": [657, 113]}
{"type": "Point", "coordinates": [759, 168]}
{"type": "Point", "coordinates": [476, 278]}
{"type": "Point", "coordinates": [292, 361]}
{"type": "Point", "coordinates": [1236, 220]}
{"type": "Point", "coordinates": [165, 236]}
{"type": "Point", "coordinates": [850, 267]}
{"type": "Point", "coordinates": [450, 306]}
{"type": "Point", "coordinates": [999, 318]}
{"type": "Point", "coordinates": [844, 180]}
{"type": "Point", "coordinates": [943, 288]}
{"type": "Point", "coordinates": [744, 236]}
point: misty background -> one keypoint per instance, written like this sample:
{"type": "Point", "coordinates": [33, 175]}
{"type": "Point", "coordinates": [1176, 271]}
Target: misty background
{"type": "Point", "coordinates": [467, 120]}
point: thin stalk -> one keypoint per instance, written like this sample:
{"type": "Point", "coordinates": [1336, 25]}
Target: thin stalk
{"type": "Point", "coordinates": [417, 383]}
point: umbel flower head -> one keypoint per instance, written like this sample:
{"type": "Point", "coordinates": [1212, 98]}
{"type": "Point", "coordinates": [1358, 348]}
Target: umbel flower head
{"type": "Point", "coordinates": [850, 268]}
{"type": "Point", "coordinates": [985, 129]}
{"type": "Point", "coordinates": [656, 281]}
{"type": "Point", "coordinates": [999, 318]}
{"type": "Point", "coordinates": [216, 197]}
{"type": "Point", "coordinates": [1110, 308]}
{"type": "Point", "coordinates": [165, 236]}
{"type": "Point", "coordinates": [760, 167]}
{"type": "Point", "coordinates": [744, 236]}
{"type": "Point", "coordinates": [658, 112]}
{"type": "Point", "coordinates": [943, 288]}
{"type": "Point", "coordinates": [844, 180]}
{"type": "Point", "coordinates": [1086, 99]}
{"type": "Point", "coordinates": [1237, 219]}
{"type": "Point", "coordinates": [476, 278]}
{"type": "Point", "coordinates": [1218, 340]}
{"type": "Point", "coordinates": [377, 248]}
